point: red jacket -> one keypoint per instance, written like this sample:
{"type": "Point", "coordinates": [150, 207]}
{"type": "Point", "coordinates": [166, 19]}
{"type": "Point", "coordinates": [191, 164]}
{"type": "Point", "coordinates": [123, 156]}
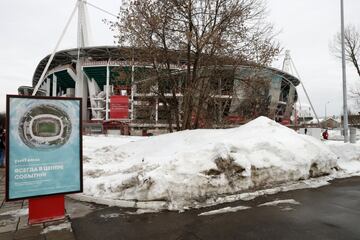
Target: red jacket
{"type": "Point", "coordinates": [325, 135]}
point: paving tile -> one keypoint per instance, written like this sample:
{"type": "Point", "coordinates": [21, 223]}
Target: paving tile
{"type": "Point", "coordinates": [32, 231]}
{"type": "Point", "coordinates": [8, 209]}
{"type": "Point", "coordinates": [8, 227]}
{"type": "Point", "coordinates": [60, 235]}
{"type": "Point", "coordinates": [57, 222]}
{"type": "Point", "coordinates": [4, 219]}
{"type": "Point", "coordinates": [25, 204]}
{"type": "Point", "coordinates": [39, 237]}
{"type": "Point", "coordinates": [23, 223]}
{"type": "Point", "coordinates": [12, 204]}
{"type": "Point", "coordinates": [6, 236]}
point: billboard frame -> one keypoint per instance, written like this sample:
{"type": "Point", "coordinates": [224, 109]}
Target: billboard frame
{"type": "Point", "coordinates": [7, 152]}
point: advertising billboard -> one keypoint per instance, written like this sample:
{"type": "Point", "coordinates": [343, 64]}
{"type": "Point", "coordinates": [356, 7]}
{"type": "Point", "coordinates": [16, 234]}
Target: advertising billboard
{"type": "Point", "coordinates": [44, 146]}
{"type": "Point", "coordinates": [119, 107]}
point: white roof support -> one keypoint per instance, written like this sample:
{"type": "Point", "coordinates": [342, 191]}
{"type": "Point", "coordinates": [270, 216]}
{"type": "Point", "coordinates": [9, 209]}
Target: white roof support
{"type": "Point", "coordinates": [289, 66]}
{"type": "Point", "coordinates": [42, 77]}
{"type": "Point", "coordinates": [82, 31]}
{"type": "Point", "coordinates": [72, 74]}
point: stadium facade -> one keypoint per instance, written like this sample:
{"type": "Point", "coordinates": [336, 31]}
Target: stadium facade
{"type": "Point", "coordinates": [117, 92]}
{"type": "Point", "coordinates": [111, 83]}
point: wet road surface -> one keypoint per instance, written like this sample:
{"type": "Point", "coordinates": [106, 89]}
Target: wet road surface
{"type": "Point", "coordinates": [329, 212]}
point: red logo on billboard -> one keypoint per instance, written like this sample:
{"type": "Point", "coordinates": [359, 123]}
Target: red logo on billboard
{"type": "Point", "coordinates": [119, 107]}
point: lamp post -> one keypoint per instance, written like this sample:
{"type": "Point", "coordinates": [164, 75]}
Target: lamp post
{"type": "Point", "coordinates": [345, 122]}
{"type": "Point", "coordinates": [325, 113]}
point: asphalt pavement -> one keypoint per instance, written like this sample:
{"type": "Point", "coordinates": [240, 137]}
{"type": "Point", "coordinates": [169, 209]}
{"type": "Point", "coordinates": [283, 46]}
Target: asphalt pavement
{"type": "Point", "coordinates": [329, 212]}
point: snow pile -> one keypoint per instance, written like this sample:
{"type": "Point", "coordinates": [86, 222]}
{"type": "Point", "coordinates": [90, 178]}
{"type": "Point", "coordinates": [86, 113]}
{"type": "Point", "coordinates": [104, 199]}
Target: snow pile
{"type": "Point", "coordinates": [349, 156]}
{"type": "Point", "coordinates": [106, 144]}
{"type": "Point", "coordinates": [186, 169]}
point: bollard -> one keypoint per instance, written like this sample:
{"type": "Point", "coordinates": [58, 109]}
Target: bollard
{"type": "Point", "coordinates": [352, 135]}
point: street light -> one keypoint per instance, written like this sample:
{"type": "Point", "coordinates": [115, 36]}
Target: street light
{"type": "Point", "coordinates": [346, 125]}
{"type": "Point", "coordinates": [325, 120]}
{"type": "Point", "coordinates": [325, 108]}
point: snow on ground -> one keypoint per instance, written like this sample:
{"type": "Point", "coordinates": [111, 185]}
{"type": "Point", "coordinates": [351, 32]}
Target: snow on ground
{"type": "Point", "coordinates": [59, 227]}
{"type": "Point", "coordinates": [278, 202]}
{"type": "Point", "coordinates": [16, 213]}
{"type": "Point", "coordinates": [349, 156]}
{"type": "Point", "coordinates": [142, 211]}
{"type": "Point", "coordinates": [267, 204]}
{"type": "Point", "coordinates": [195, 168]}
{"type": "Point", "coordinates": [224, 210]}
{"type": "Point", "coordinates": [335, 134]}
{"type": "Point", "coordinates": [110, 215]}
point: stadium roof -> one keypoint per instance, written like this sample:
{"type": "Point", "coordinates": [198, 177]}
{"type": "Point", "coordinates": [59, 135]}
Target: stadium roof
{"type": "Point", "coordinates": [104, 53]}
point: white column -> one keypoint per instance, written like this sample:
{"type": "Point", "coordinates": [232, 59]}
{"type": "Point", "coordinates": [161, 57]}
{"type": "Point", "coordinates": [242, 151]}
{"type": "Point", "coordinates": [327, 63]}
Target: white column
{"type": "Point", "coordinates": [157, 110]}
{"type": "Point", "coordinates": [133, 87]}
{"type": "Point", "coordinates": [81, 89]}
{"type": "Point", "coordinates": [48, 90]}
{"type": "Point", "coordinates": [54, 86]}
{"type": "Point", "coordinates": [107, 91]}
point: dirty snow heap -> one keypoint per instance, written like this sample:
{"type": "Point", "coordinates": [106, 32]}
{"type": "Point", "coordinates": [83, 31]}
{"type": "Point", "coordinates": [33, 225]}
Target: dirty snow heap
{"type": "Point", "coordinates": [187, 168]}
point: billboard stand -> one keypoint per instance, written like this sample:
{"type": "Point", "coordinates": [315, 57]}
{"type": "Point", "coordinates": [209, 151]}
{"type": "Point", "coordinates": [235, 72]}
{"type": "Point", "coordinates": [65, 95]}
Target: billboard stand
{"type": "Point", "coordinates": [43, 154]}
{"type": "Point", "coordinates": [44, 209]}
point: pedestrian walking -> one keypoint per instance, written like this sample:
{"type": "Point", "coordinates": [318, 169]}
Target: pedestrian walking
{"type": "Point", "coordinates": [325, 135]}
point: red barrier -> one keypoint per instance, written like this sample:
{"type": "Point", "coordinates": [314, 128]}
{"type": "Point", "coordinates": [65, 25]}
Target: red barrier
{"type": "Point", "coordinates": [45, 209]}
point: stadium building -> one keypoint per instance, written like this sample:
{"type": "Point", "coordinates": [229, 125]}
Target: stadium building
{"type": "Point", "coordinates": [112, 85]}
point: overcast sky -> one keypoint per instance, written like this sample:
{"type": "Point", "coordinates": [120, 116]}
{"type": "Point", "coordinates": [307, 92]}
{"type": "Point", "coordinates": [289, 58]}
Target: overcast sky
{"type": "Point", "coordinates": [29, 31]}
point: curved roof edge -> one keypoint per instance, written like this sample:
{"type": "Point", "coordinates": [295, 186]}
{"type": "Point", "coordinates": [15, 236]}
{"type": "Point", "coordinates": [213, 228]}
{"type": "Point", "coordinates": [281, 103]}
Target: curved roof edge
{"type": "Point", "coordinates": [104, 53]}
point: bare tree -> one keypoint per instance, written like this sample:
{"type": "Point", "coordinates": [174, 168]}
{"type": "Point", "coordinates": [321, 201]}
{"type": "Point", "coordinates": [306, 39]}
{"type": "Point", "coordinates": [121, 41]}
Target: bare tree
{"type": "Point", "coordinates": [352, 46]}
{"type": "Point", "coordinates": [352, 55]}
{"type": "Point", "coordinates": [194, 40]}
